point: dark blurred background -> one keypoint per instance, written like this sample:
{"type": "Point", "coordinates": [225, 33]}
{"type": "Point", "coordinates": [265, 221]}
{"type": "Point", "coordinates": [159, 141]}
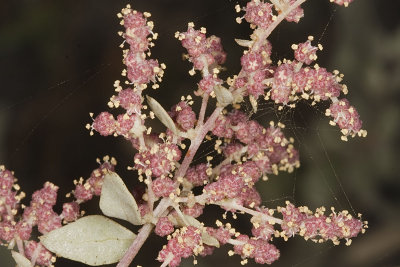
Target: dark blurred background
{"type": "Point", "coordinates": [59, 59]}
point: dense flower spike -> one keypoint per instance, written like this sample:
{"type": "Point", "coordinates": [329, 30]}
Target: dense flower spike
{"type": "Point", "coordinates": [318, 227]}
{"type": "Point", "coordinates": [175, 185]}
{"type": "Point", "coordinates": [137, 30]}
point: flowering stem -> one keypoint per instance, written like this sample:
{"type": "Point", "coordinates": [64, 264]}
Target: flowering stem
{"type": "Point", "coordinates": [144, 232]}
{"type": "Point", "coordinates": [196, 142]}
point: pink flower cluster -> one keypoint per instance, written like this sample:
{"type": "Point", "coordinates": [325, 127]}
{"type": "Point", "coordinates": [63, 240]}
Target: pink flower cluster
{"type": "Point", "coordinates": [262, 14]}
{"type": "Point", "coordinates": [259, 249]}
{"type": "Point", "coordinates": [255, 69]}
{"type": "Point", "coordinates": [235, 182]}
{"type": "Point", "coordinates": [105, 123]}
{"type": "Point", "coordinates": [316, 83]}
{"type": "Point", "coordinates": [268, 148]}
{"type": "Point", "coordinates": [346, 117]}
{"type": "Point", "coordinates": [197, 175]}
{"type": "Point", "coordinates": [137, 30]}
{"type": "Point", "coordinates": [289, 81]}
{"type": "Point", "coordinates": [85, 190]}
{"type": "Point", "coordinates": [203, 52]}
{"type": "Point", "coordinates": [207, 84]}
{"type": "Point", "coordinates": [183, 115]}
{"type": "Point", "coordinates": [158, 161]}
{"type": "Point", "coordinates": [317, 226]}
{"type": "Point", "coordinates": [18, 228]}
{"type": "Point", "coordinates": [183, 244]}
{"type": "Point", "coordinates": [259, 13]}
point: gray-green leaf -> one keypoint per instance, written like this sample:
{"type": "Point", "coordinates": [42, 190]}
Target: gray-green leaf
{"type": "Point", "coordinates": [162, 114]}
{"type": "Point", "coordinates": [94, 240]}
{"type": "Point", "coordinates": [116, 200]}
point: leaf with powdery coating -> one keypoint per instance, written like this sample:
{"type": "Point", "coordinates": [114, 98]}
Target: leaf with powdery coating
{"type": "Point", "coordinates": [116, 200]}
{"type": "Point", "coordinates": [94, 240]}
{"type": "Point", "coordinates": [162, 114]}
{"type": "Point", "coordinates": [20, 260]}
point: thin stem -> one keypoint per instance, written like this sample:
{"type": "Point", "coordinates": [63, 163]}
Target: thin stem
{"type": "Point", "coordinates": [150, 194]}
{"type": "Point", "coordinates": [143, 234]}
{"type": "Point", "coordinates": [196, 142]}
{"type": "Point", "coordinates": [203, 109]}
{"type": "Point", "coordinates": [234, 205]}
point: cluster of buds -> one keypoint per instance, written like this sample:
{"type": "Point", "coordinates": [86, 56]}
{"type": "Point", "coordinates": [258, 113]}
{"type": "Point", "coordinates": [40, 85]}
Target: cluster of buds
{"type": "Point", "coordinates": [175, 191]}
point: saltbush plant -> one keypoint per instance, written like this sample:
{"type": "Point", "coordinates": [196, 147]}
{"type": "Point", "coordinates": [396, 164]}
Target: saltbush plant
{"type": "Point", "coordinates": [175, 189]}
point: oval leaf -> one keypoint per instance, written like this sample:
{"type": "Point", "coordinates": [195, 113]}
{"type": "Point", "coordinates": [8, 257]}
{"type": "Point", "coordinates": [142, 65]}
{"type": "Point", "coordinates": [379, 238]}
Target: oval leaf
{"type": "Point", "coordinates": [161, 114]}
{"type": "Point", "coordinates": [116, 200]}
{"type": "Point", "coordinates": [94, 240]}
{"type": "Point", "coordinates": [20, 259]}
{"type": "Point", "coordinates": [224, 96]}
